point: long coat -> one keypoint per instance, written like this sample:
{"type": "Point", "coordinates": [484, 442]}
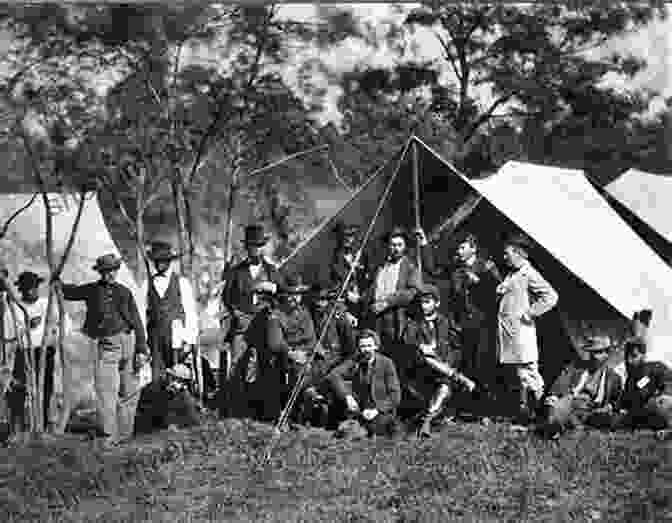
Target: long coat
{"type": "Point", "coordinates": [523, 296]}
{"type": "Point", "coordinates": [382, 384]}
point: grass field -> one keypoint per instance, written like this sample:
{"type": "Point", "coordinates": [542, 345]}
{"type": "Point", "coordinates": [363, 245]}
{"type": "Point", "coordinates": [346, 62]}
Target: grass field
{"type": "Point", "coordinates": [215, 473]}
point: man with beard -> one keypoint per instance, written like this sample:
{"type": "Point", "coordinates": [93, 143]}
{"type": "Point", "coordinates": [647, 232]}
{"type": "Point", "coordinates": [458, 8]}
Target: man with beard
{"type": "Point", "coordinates": [523, 296]}
{"type": "Point", "coordinates": [472, 285]}
{"type": "Point", "coordinates": [586, 393]}
{"type": "Point", "coordinates": [432, 368]}
{"type": "Point", "coordinates": [374, 393]}
{"type": "Point", "coordinates": [394, 286]}
{"type": "Point", "coordinates": [244, 283]}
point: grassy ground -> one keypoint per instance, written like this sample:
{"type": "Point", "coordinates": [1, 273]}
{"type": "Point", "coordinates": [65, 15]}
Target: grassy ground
{"type": "Point", "coordinates": [215, 473]}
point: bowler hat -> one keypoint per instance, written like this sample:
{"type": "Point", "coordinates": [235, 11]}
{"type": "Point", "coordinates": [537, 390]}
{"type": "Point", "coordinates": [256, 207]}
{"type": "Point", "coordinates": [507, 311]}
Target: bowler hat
{"type": "Point", "coordinates": [344, 230]}
{"type": "Point", "coordinates": [396, 231]}
{"type": "Point", "coordinates": [28, 280]}
{"type": "Point", "coordinates": [597, 344]}
{"type": "Point", "coordinates": [162, 251]}
{"type": "Point", "coordinates": [106, 263]}
{"type": "Point", "coordinates": [293, 285]}
{"type": "Point", "coordinates": [429, 290]}
{"type": "Point", "coordinates": [255, 235]}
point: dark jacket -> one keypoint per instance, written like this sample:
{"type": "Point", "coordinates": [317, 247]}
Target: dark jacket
{"type": "Point", "coordinates": [447, 339]}
{"type": "Point", "coordinates": [288, 331]}
{"type": "Point", "coordinates": [110, 309]}
{"type": "Point", "coordinates": [237, 294]}
{"type": "Point", "coordinates": [392, 321]}
{"type": "Point", "coordinates": [383, 386]}
{"type": "Point", "coordinates": [651, 379]}
{"type": "Point", "coordinates": [338, 342]}
{"type": "Point", "coordinates": [339, 268]}
{"type": "Point", "coordinates": [471, 303]}
{"type": "Point", "coordinates": [571, 375]}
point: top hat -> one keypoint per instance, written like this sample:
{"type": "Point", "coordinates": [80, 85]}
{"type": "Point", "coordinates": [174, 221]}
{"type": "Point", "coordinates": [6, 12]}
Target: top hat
{"type": "Point", "coordinates": [106, 263]}
{"type": "Point", "coordinates": [396, 231]}
{"type": "Point", "coordinates": [344, 230]}
{"type": "Point", "coordinates": [597, 344]}
{"type": "Point", "coordinates": [293, 285]}
{"type": "Point", "coordinates": [255, 235]}
{"type": "Point", "coordinates": [28, 280]}
{"type": "Point", "coordinates": [162, 251]}
{"type": "Point", "coordinates": [429, 290]}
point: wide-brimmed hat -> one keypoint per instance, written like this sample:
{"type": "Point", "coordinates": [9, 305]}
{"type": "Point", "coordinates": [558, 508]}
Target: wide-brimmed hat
{"type": "Point", "coordinates": [519, 240]}
{"type": "Point", "coordinates": [28, 280]}
{"type": "Point", "coordinates": [597, 344]}
{"type": "Point", "coordinates": [255, 235]}
{"type": "Point", "coordinates": [162, 251]}
{"type": "Point", "coordinates": [429, 290]}
{"type": "Point", "coordinates": [396, 231]}
{"type": "Point", "coordinates": [179, 371]}
{"type": "Point", "coordinates": [108, 262]}
{"type": "Point", "coordinates": [343, 230]}
{"type": "Point", "coordinates": [293, 285]}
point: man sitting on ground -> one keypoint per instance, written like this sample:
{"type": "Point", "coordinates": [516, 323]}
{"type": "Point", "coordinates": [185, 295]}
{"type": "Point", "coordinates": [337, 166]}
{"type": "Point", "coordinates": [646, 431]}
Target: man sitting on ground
{"type": "Point", "coordinates": [372, 399]}
{"type": "Point", "coordinates": [586, 393]}
{"type": "Point", "coordinates": [647, 398]}
{"type": "Point", "coordinates": [435, 356]}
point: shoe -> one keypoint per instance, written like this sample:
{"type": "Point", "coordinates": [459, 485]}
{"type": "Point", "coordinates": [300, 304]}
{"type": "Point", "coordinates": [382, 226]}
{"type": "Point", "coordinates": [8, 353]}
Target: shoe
{"type": "Point", "coordinates": [425, 429]}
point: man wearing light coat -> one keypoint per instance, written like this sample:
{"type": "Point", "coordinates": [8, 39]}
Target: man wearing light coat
{"type": "Point", "coordinates": [523, 296]}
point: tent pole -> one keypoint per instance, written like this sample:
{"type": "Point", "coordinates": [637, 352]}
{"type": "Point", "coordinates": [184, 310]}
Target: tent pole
{"type": "Point", "coordinates": [416, 202]}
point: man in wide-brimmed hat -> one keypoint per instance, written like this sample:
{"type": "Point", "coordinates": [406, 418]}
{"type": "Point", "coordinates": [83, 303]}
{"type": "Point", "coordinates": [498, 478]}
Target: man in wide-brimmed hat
{"type": "Point", "coordinates": [586, 392]}
{"type": "Point", "coordinates": [245, 284]}
{"type": "Point", "coordinates": [393, 288]}
{"type": "Point", "coordinates": [523, 296]}
{"type": "Point", "coordinates": [111, 316]}
{"type": "Point", "coordinates": [172, 315]}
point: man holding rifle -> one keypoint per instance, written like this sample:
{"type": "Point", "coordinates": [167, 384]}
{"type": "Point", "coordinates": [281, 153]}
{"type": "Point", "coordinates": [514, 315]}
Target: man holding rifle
{"type": "Point", "coordinates": [437, 354]}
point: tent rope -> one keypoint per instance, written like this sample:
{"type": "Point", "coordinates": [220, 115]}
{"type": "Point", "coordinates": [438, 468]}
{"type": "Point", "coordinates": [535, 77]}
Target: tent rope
{"type": "Point", "coordinates": [284, 416]}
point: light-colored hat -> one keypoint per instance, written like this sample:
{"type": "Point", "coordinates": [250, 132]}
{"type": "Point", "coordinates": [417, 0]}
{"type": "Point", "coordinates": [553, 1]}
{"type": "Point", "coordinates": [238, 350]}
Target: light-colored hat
{"type": "Point", "coordinates": [179, 371]}
{"type": "Point", "coordinates": [598, 344]}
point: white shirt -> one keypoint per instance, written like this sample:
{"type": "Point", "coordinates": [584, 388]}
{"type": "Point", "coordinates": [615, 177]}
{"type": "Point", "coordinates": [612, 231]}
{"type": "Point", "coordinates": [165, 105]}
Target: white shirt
{"type": "Point", "coordinates": [386, 280]}
{"type": "Point", "coordinates": [183, 331]}
{"type": "Point", "coordinates": [37, 310]}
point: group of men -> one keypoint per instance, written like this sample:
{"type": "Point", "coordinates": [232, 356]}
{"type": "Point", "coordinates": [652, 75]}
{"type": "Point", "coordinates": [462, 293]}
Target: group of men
{"type": "Point", "coordinates": [366, 348]}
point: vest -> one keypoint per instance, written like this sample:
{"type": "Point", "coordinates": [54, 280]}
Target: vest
{"type": "Point", "coordinates": [162, 311]}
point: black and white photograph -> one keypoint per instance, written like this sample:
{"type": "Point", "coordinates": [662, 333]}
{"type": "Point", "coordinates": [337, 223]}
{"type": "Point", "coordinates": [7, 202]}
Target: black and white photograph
{"type": "Point", "coordinates": [335, 262]}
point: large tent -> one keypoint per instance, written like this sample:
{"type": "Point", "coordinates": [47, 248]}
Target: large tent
{"type": "Point", "coordinates": [602, 270]}
{"type": "Point", "coordinates": [641, 199]}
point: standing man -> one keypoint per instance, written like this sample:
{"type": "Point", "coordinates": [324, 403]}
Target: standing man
{"type": "Point", "coordinates": [244, 283]}
{"type": "Point", "coordinates": [111, 316]}
{"type": "Point", "coordinates": [374, 394]}
{"type": "Point", "coordinates": [523, 296]}
{"type": "Point", "coordinates": [395, 284]}
{"type": "Point", "coordinates": [172, 315]}
{"type": "Point", "coordinates": [472, 285]}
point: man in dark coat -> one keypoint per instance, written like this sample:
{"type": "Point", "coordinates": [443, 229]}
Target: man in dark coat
{"type": "Point", "coordinates": [111, 316]}
{"type": "Point", "coordinates": [393, 288]}
{"type": "Point", "coordinates": [368, 386]}
{"type": "Point", "coordinates": [432, 364]}
{"type": "Point", "coordinates": [244, 284]}
{"type": "Point", "coordinates": [587, 392]}
{"type": "Point", "coordinates": [647, 397]}
{"type": "Point", "coordinates": [473, 281]}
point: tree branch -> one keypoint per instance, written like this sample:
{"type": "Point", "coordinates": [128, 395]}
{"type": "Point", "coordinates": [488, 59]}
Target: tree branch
{"type": "Point", "coordinates": [486, 115]}
{"type": "Point", "coordinates": [6, 225]}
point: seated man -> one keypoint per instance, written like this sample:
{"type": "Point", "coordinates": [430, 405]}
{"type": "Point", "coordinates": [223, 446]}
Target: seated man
{"type": "Point", "coordinates": [431, 367]}
{"type": "Point", "coordinates": [372, 398]}
{"type": "Point", "coordinates": [647, 398]}
{"type": "Point", "coordinates": [586, 393]}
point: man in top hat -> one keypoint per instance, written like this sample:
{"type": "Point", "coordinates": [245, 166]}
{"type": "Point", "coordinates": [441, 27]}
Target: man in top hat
{"type": "Point", "coordinates": [432, 365]}
{"type": "Point", "coordinates": [345, 259]}
{"type": "Point", "coordinates": [587, 392]}
{"type": "Point", "coordinates": [28, 284]}
{"type": "Point", "coordinates": [647, 396]}
{"type": "Point", "coordinates": [111, 317]}
{"type": "Point", "coordinates": [472, 283]}
{"type": "Point", "coordinates": [393, 288]}
{"type": "Point", "coordinates": [523, 296]}
{"type": "Point", "coordinates": [245, 284]}
{"type": "Point", "coordinates": [172, 314]}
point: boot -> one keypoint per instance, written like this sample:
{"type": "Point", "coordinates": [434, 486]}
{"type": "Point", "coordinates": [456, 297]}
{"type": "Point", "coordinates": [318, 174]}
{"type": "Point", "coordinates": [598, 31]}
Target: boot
{"type": "Point", "coordinates": [425, 427]}
{"type": "Point", "coordinates": [523, 416]}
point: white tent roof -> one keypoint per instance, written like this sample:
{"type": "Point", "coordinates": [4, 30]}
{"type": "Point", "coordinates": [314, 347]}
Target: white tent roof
{"type": "Point", "coordinates": [562, 211]}
{"type": "Point", "coordinates": [24, 248]}
{"type": "Point", "coordinates": [648, 196]}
